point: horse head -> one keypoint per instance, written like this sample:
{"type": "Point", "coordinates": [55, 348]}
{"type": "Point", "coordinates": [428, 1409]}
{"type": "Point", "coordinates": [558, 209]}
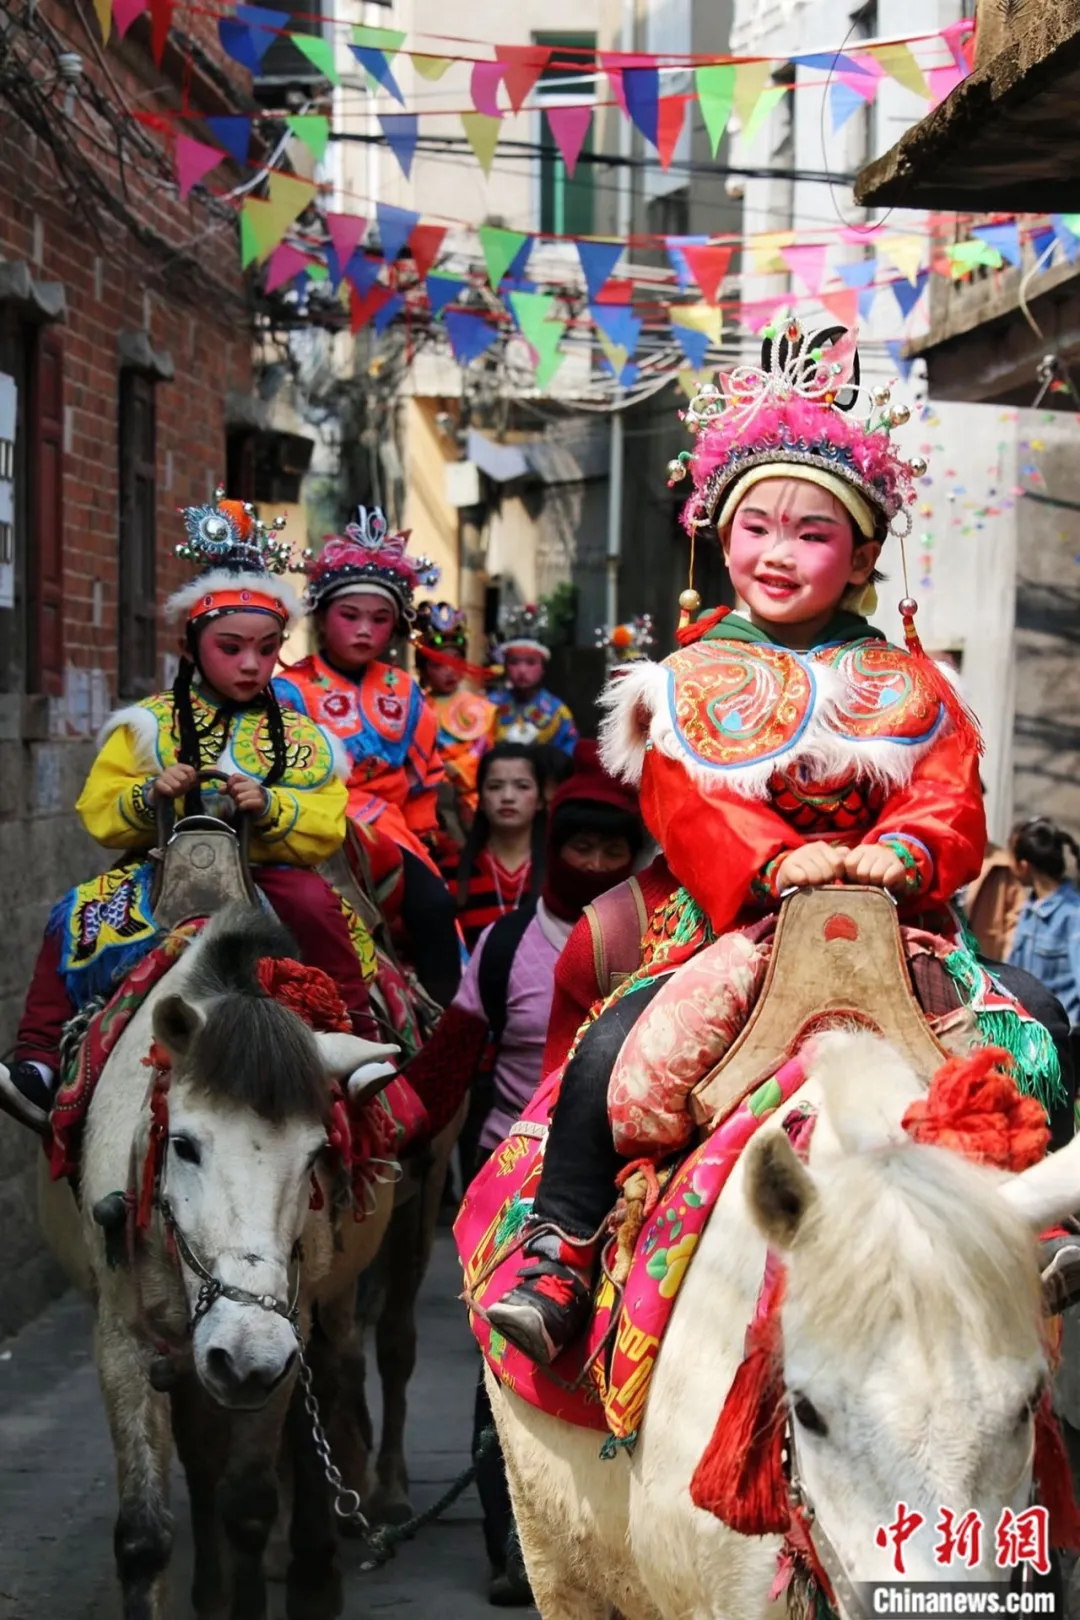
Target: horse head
{"type": "Point", "coordinates": [914, 1355]}
{"type": "Point", "coordinates": [249, 1104]}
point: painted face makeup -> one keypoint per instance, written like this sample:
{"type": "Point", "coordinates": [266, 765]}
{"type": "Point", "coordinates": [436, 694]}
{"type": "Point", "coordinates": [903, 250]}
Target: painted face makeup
{"type": "Point", "coordinates": [524, 669]}
{"type": "Point", "coordinates": [357, 629]}
{"type": "Point", "coordinates": [792, 551]}
{"type": "Point", "coordinates": [237, 654]}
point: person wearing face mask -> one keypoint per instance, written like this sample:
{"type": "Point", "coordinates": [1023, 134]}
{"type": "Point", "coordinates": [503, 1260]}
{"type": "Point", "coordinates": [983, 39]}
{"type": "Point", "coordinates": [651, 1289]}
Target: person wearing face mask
{"type": "Point", "coordinates": [502, 864]}
{"type": "Point", "coordinates": [527, 712]}
{"type": "Point", "coordinates": [360, 592]}
{"type": "Point", "coordinates": [221, 713]}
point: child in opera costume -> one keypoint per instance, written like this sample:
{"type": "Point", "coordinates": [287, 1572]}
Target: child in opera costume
{"type": "Point", "coordinates": [465, 719]}
{"type": "Point", "coordinates": [221, 713]}
{"type": "Point", "coordinates": [527, 711]}
{"type": "Point", "coordinates": [784, 745]}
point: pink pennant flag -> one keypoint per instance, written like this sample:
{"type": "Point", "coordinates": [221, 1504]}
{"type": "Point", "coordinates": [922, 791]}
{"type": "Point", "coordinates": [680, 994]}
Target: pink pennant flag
{"type": "Point", "coordinates": [859, 235]}
{"type": "Point", "coordinates": [484, 87]}
{"type": "Point", "coordinates": [942, 80]}
{"type": "Point", "coordinates": [808, 263]}
{"type": "Point", "coordinates": [844, 305]}
{"type": "Point", "coordinates": [959, 36]}
{"type": "Point", "coordinates": [864, 84]}
{"type": "Point", "coordinates": [346, 231]}
{"type": "Point", "coordinates": [612, 64]}
{"type": "Point", "coordinates": [669, 126]}
{"type": "Point", "coordinates": [125, 13]}
{"type": "Point", "coordinates": [758, 312]}
{"type": "Point", "coordinates": [285, 262]}
{"type": "Point", "coordinates": [194, 160]}
{"type": "Point", "coordinates": [570, 125]}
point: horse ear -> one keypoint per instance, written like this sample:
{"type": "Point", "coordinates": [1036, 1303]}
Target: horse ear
{"type": "Point", "coordinates": [779, 1189]}
{"type": "Point", "coordinates": [361, 1063]}
{"type": "Point", "coordinates": [176, 1023]}
{"type": "Point", "coordinates": [1048, 1191]}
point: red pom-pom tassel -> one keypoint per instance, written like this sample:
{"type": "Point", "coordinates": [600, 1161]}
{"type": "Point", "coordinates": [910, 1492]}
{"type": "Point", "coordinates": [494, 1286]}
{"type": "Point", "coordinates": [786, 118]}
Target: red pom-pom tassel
{"type": "Point", "coordinates": [1053, 1476]}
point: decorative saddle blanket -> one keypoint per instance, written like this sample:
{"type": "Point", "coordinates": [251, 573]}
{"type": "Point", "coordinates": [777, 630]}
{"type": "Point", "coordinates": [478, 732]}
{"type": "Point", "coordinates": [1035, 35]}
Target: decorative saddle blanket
{"type": "Point", "coordinates": [603, 1381]}
{"type": "Point", "coordinates": [380, 1128]}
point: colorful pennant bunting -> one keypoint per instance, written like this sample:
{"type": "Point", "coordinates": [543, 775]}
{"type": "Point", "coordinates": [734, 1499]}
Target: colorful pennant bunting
{"type": "Point", "coordinates": [319, 52]}
{"type": "Point", "coordinates": [807, 262]}
{"type": "Point", "coordinates": [431, 68]}
{"type": "Point", "coordinates": [401, 131]}
{"type": "Point", "coordinates": [313, 129]}
{"type": "Point", "coordinates": [695, 345]}
{"type": "Point", "coordinates": [906, 295]}
{"type": "Point", "coordinates": [470, 335]}
{"type": "Point", "coordinates": [598, 260]}
{"type": "Point", "coordinates": [716, 90]}
{"type": "Point", "coordinates": [442, 290]}
{"type": "Point", "coordinates": [125, 13]}
{"type": "Point", "coordinates": [346, 232]}
{"type": "Point", "coordinates": [669, 126]}
{"type": "Point", "coordinates": [708, 266]}
{"type": "Point", "coordinates": [899, 64]}
{"type": "Point", "coordinates": [286, 262]}
{"type": "Point", "coordinates": [641, 89]}
{"type": "Point", "coordinates": [425, 244]}
{"type": "Point", "coordinates": [484, 85]}
{"type": "Point", "coordinates": [500, 248]}
{"type": "Point", "coordinates": [194, 160]}
{"type": "Point", "coordinates": [569, 126]}
{"type": "Point", "coordinates": [522, 66]}
{"type": "Point", "coordinates": [396, 225]}
{"type": "Point", "coordinates": [482, 134]}
{"type": "Point", "coordinates": [233, 135]}
{"type": "Point", "coordinates": [541, 331]}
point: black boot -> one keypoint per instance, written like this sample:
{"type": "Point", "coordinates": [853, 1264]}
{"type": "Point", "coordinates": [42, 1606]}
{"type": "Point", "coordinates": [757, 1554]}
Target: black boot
{"type": "Point", "coordinates": [25, 1096]}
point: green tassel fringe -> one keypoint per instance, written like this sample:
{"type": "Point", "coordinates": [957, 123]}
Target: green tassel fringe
{"type": "Point", "coordinates": [513, 1222]}
{"type": "Point", "coordinates": [1038, 1072]}
{"type": "Point", "coordinates": [613, 1445]}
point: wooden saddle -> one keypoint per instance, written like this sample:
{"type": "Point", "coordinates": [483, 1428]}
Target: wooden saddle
{"type": "Point", "coordinates": [837, 958]}
{"type": "Point", "coordinates": [201, 864]}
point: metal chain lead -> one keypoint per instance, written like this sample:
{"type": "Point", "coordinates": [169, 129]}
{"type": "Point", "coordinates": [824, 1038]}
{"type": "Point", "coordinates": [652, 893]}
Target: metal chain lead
{"type": "Point", "coordinates": [346, 1501]}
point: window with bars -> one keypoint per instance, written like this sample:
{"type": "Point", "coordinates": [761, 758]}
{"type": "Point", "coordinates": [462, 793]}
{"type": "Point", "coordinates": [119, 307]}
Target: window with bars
{"type": "Point", "coordinates": [137, 623]}
{"type": "Point", "coordinates": [566, 202]}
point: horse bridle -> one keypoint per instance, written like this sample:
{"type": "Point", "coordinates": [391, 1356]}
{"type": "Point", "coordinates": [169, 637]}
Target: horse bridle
{"type": "Point", "coordinates": [212, 1288]}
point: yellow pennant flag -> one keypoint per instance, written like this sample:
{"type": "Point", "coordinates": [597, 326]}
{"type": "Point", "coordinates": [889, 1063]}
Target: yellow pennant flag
{"type": "Point", "coordinates": [751, 81]}
{"type": "Point", "coordinates": [614, 353]}
{"type": "Point", "coordinates": [259, 235]}
{"type": "Point", "coordinates": [699, 318]}
{"type": "Point", "coordinates": [430, 67]}
{"type": "Point", "coordinates": [765, 251]}
{"type": "Point", "coordinates": [483, 136]}
{"type": "Point", "coordinates": [104, 17]}
{"type": "Point", "coordinates": [899, 64]}
{"type": "Point", "coordinates": [761, 114]}
{"type": "Point", "coordinates": [905, 251]}
{"type": "Point", "coordinates": [690, 381]}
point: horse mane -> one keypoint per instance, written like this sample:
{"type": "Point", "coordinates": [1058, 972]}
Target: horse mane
{"type": "Point", "coordinates": [905, 1237]}
{"type": "Point", "coordinates": [249, 1050]}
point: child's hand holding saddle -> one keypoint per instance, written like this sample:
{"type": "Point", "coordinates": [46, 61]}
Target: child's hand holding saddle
{"type": "Point", "coordinates": [812, 866]}
{"type": "Point", "coordinates": [175, 782]}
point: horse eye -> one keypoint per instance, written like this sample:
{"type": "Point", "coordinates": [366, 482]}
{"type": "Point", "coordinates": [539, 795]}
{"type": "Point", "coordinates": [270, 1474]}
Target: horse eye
{"type": "Point", "coordinates": [808, 1416]}
{"type": "Point", "coordinates": [185, 1149]}
{"type": "Point", "coordinates": [1031, 1405]}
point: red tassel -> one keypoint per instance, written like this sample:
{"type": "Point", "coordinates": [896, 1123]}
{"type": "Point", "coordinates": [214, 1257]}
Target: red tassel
{"type": "Point", "coordinates": [964, 722]}
{"type": "Point", "coordinates": [687, 634]}
{"type": "Point", "coordinates": [1053, 1476]}
{"type": "Point", "coordinates": [740, 1477]}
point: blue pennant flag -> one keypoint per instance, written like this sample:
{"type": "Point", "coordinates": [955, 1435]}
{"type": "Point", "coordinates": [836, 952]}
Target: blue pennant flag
{"type": "Point", "coordinates": [264, 26]}
{"type": "Point", "coordinates": [375, 63]}
{"type": "Point", "coordinates": [1040, 241]}
{"type": "Point", "coordinates": [845, 103]}
{"type": "Point", "coordinates": [516, 268]}
{"type": "Point", "coordinates": [386, 312]}
{"type": "Point", "coordinates": [908, 296]}
{"type": "Point", "coordinates": [1006, 238]}
{"type": "Point", "coordinates": [237, 42]}
{"type": "Point", "coordinates": [627, 377]}
{"type": "Point", "coordinates": [598, 260]}
{"type": "Point", "coordinates": [858, 274]}
{"type": "Point", "coordinates": [442, 290]}
{"type": "Point", "coordinates": [401, 131]}
{"type": "Point", "coordinates": [619, 323]}
{"type": "Point", "coordinates": [866, 302]}
{"type": "Point", "coordinates": [695, 345]}
{"type": "Point", "coordinates": [396, 225]}
{"type": "Point", "coordinates": [233, 135]}
{"type": "Point", "coordinates": [896, 349]}
{"type": "Point", "coordinates": [469, 335]}
{"type": "Point", "coordinates": [641, 87]}
{"type": "Point", "coordinates": [829, 62]}
{"type": "Point", "coordinates": [362, 272]}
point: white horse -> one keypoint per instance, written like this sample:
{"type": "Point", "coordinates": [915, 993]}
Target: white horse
{"type": "Point", "coordinates": [219, 1294]}
{"type": "Point", "coordinates": [913, 1362]}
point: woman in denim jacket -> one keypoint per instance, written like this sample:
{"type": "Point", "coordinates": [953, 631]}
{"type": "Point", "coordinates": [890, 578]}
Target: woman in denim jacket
{"type": "Point", "coordinates": [1047, 938]}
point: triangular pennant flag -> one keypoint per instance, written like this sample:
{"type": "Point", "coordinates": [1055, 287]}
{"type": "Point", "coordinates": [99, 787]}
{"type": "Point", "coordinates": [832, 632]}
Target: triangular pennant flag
{"type": "Point", "coordinates": [396, 225]}
{"type": "Point", "coordinates": [511, 284]}
{"type": "Point", "coordinates": [1067, 239]}
{"type": "Point", "coordinates": [103, 9]}
{"type": "Point", "coordinates": [765, 249]}
{"type": "Point", "coordinates": [431, 68]}
{"type": "Point", "coordinates": [758, 312]}
{"type": "Point", "coordinates": [319, 52]}
{"type": "Point", "coordinates": [346, 231]}
{"type": "Point", "coordinates": [442, 290]}
{"type": "Point", "coordinates": [401, 131]}
{"type": "Point", "coordinates": [899, 360]}
{"type": "Point", "coordinates": [386, 312]}
{"type": "Point", "coordinates": [900, 65]}
{"type": "Point", "coordinates": [958, 36]}
{"type": "Point", "coordinates": [766, 102]}
{"type": "Point", "coordinates": [641, 88]}
{"type": "Point", "coordinates": [484, 85]}
{"type": "Point", "coordinates": [522, 66]}
{"type": "Point", "coordinates": [944, 80]}
{"type": "Point", "coordinates": [289, 196]}
{"type": "Point", "coordinates": [676, 251]}
{"type": "Point", "coordinates": [482, 134]}
{"type": "Point", "coordinates": [424, 245]}
{"type": "Point", "coordinates": [264, 26]}
{"type": "Point", "coordinates": [500, 248]}
{"type": "Point", "coordinates": [906, 252]}
{"type": "Point", "coordinates": [705, 318]}
{"type": "Point", "coordinates": [751, 79]}
{"type": "Point", "coordinates": [570, 126]}
{"type": "Point", "coordinates": [859, 274]}
{"type": "Point", "coordinates": [964, 257]}
{"type": "Point", "coordinates": [843, 305]}
{"type": "Point", "coordinates": [161, 16]}
{"type": "Point", "coordinates": [378, 70]}
{"type": "Point", "coordinates": [618, 323]}
{"type": "Point", "coordinates": [715, 91]}
{"type": "Point", "coordinates": [237, 42]}
{"type": "Point", "coordinates": [125, 13]}
{"type": "Point", "coordinates": [470, 335]}
{"type": "Point", "coordinates": [261, 229]}
{"type": "Point", "coordinates": [614, 354]}
{"type": "Point", "coordinates": [695, 345]}
{"type": "Point", "coordinates": [864, 84]}
{"type": "Point", "coordinates": [708, 266]}
{"type": "Point", "coordinates": [844, 102]}
{"type": "Point", "coordinates": [233, 135]}
{"type": "Point", "coordinates": [363, 272]}
{"type": "Point", "coordinates": [1040, 241]}
{"type": "Point", "coordinates": [313, 129]}
{"type": "Point", "coordinates": [669, 126]}
{"type": "Point", "coordinates": [194, 159]}
{"type": "Point", "coordinates": [807, 262]}
{"type": "Point", "coordinates": [533, 311]}
{"type": "Point", "coordinates": [286, 261]}
{"type": "Point", "coordinates": [827, 61]}
{"type": "Point", "coordinates": [906, 295]}
{"type": "Point", "coordinates": [598, 260]}
{"type": "Point", "coordinates": [365, 308]}
{"type": "Point", "coordinates": [387, 40]}
{"type": "Point", "coordinates": [619, 291]}
{"type": "Point", "coordinates": [866, 302]}
{"type": "Point", "coordinates": [1005, 238]}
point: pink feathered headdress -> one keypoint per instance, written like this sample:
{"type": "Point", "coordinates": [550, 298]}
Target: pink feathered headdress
{"type": "Point", "coordinates": [368, 558]}
{"type": "Point", "coordinates": [798, 409]}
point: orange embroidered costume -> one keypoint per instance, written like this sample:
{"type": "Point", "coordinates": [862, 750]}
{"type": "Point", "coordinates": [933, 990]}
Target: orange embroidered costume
{"type": "Point", "coordinates": [466, 720]}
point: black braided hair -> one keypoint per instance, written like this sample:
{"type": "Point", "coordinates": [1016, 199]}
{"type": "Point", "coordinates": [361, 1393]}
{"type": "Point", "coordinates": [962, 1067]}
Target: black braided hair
{"type": "Point", "coordinates": [1042, 844]}
{"type": "Point", "coordinates": [186, 731]}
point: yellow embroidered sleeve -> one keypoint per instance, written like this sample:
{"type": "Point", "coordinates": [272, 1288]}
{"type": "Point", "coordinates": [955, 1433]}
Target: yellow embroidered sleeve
{"type": "Point", "coordinates": [113, 803]}
{"type": "Point", "coordinates": [303, 826]}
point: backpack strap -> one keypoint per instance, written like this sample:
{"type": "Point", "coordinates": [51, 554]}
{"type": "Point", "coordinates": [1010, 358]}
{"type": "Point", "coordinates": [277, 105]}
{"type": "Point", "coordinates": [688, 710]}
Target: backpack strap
{"type": "Point", "coordinates": [496, 961]}
{"type": "Point", "coordinates": [617, 924]}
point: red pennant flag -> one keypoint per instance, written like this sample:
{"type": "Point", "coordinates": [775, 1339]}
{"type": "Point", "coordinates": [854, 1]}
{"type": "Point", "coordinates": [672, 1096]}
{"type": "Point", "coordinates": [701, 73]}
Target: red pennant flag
{"type": "Point", "coordinates": [844, 305]}
{"type": "Point", "coordinates": [669, 126]}
{"type": "Point", "coordinates": [361, 310]}
{"type": "Point", "coordinates": [425, 241]}
{"type": "Point", "coordinates": [708, 266]}
{"type": "Point", "coordinates": [615, 292]}
{"type": "Point", "coordinates": [161, 15]}
{"type": "Point", "coordinates": [524, 65]}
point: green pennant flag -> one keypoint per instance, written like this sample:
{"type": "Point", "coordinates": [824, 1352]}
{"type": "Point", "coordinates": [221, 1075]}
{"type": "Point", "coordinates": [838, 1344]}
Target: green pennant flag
{"type": "Point", "coordinates": [716, 94]}
{"type": "Point", "coordinates": [500, 248]}
{"type": "Point", "coordinates": [319, 52]}
{"type": "Point", "coordinates": [767, 100]}
{"type": "Point", "coordinates": [387, 40]}
{"type": "Point", "coordinates": [965, 256]}
{"type": "Point", "coordinates": [313, 129]}
{"type": "Point", "coordinates": [533, 311]}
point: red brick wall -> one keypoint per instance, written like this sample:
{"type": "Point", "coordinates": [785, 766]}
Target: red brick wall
{"type": "Point", "coordinates": [202, 328]}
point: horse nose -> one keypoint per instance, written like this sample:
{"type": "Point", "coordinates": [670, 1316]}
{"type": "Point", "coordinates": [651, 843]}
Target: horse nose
{"type": "Point", "coordinates": [245, 1380]}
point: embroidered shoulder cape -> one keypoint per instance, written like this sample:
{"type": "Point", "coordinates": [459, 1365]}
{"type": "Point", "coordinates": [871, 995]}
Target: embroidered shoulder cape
{"type": "Point", "coordinates": [466, 730]}
{"type": "Point", "coordinates": [545, 720]}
